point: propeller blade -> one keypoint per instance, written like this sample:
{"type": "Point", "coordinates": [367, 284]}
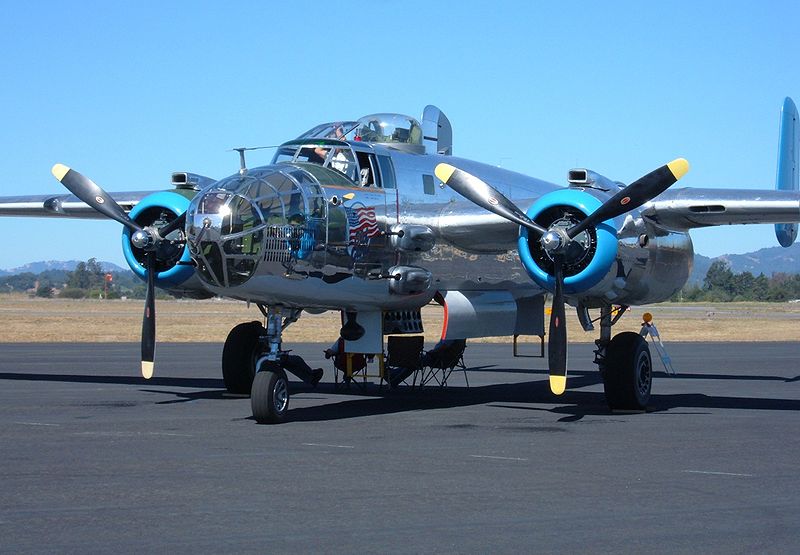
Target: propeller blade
{"type": "Point", "coordinates": [485, 196]}
{"type": "Point", "coordinates": [90, 193]}
{"type": "Point", "coordinates": [557, 343]}
{"type": "Point", "coordinates": [634, 195]}
{"type": "Point", "coordinates": [177, 223]}
{"type": "Point", "coordinates": [149, 320]}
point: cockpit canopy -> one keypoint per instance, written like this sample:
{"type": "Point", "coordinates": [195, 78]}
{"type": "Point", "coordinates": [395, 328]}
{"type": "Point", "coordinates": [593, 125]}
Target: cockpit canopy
{"type": "Point", "coordinates": [390, 129]}
{"type": "Point", "coordinates": [394, 129]}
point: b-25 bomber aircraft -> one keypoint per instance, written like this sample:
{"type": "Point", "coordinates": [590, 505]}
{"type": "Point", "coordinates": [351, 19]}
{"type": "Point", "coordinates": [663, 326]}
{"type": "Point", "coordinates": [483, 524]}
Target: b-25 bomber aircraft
{"type": "Point", "coordinates": [376, 217]}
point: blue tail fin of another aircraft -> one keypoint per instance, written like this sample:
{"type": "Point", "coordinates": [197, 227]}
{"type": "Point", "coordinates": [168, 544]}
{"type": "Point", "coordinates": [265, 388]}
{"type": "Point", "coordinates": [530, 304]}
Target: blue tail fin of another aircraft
{"type": "Point", "coordinates": [788, 170]}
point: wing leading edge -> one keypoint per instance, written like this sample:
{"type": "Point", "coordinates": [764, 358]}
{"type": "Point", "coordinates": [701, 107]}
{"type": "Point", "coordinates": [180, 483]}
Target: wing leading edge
{"type": "Point", "coordinates": [63, 206]}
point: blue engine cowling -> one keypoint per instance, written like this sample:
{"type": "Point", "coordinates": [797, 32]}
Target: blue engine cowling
{"type": "Point", "coordinates": [599, 244]}
{"type": "Point", "coordinates": [175, 273]}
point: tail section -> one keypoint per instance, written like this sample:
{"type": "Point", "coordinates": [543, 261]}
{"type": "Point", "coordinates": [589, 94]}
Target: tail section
{"type": "Point", "coordinates": [788, 170]}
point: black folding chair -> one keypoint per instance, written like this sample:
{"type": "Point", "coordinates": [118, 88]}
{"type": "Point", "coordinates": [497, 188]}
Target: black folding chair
{"type": "Point", "coordinates": [440, 362]}
{"type": "Point", "coordinates": [404, 357]}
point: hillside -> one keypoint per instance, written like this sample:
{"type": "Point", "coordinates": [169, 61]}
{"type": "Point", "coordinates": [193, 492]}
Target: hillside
{"type": "Point", "coordinates": [49, 265]}
{"type": "Point", "coordinates": [772, 260]}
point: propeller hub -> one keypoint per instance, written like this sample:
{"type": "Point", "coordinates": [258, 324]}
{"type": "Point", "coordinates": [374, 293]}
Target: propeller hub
{"type": "Point", "coordinates": [554, 241]}
{"type": "Point", "coordinates": [143, 239]}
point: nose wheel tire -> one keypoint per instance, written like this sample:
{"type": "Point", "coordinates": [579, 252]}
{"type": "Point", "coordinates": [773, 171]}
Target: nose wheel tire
{"type": "Point", "coordinates": [239, 357]}
{"type": "Point", "coordinates": [627, 372]}
{"type": "Point", "coordinates": [269, 396]}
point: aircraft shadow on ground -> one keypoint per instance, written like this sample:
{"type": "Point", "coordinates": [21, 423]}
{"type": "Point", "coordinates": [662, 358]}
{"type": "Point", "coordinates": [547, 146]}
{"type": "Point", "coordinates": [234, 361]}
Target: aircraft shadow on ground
{"type": "Point", "coordinates": [121, 380]}
{"type": "Point", "coordinates": [374, 400]}
{"type": "Point", "coordinates": [574, 404]}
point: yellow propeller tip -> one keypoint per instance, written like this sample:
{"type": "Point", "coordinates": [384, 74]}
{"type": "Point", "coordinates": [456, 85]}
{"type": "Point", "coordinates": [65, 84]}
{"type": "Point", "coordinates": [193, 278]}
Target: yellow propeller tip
{"type": "Point", "coordinates": [558, 384]}
{"type": "Point", "coordinates": [59, 171]}
{"type": "Point", "coordinates": [147, 370]}
{"type": "Point", "coordinates": [678, 167]}
{"type": "Point", "coordinates": [444, 171]}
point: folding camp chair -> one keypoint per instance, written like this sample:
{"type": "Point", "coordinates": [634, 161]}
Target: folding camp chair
{"type": "Point", "coordinates": [440, 362]}
{"type": "Point", "coordinates": [404, 357]}
{"type": "Point", "coordinates": [349, 364]}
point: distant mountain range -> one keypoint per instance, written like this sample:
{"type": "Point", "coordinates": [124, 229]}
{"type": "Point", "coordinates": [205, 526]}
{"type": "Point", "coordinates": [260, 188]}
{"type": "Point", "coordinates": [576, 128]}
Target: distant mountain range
{"type": "Point", "coordinates": [772, 260]}
{"type": "Point", "coordinates": [768, 261]}
{"type": "Point", "coordinates": [65, 265]}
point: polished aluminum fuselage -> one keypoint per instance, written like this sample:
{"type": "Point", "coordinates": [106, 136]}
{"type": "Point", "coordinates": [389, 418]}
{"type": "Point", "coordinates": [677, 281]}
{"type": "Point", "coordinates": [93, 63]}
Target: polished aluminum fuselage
{"type": "Point", "coordinates": [473, 250]}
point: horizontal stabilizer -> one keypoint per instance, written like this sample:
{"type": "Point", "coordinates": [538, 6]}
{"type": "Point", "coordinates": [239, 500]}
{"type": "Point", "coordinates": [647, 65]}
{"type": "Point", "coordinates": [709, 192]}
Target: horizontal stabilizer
{"type": "Point", "coordinates": [787, 178]}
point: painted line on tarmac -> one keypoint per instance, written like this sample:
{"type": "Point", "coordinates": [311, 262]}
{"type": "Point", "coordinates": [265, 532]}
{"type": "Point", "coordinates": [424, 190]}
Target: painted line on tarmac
{"type": "Point", "coordinates": [498, 458]}
{"type": "Point", "coordinates": [37, 424]}
{"type": "Point", "coordinates": [329, 445]}
{"type": "Point", "coordinates": [128, 434]}
{"type": "Point", "coordinates": [709, 472]}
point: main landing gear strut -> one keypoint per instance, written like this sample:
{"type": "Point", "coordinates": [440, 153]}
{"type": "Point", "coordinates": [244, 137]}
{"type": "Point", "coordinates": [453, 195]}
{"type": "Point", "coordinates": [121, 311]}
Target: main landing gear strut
{"type": "Point", "coordinates": [625, 364]}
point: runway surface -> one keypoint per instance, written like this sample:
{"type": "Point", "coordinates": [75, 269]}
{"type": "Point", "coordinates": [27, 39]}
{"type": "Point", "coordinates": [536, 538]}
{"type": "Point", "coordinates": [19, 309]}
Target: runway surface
{"type": "Point", "coordinates": [95, 459]}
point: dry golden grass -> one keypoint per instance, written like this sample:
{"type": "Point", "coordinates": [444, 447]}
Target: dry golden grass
{"type": "Point", "coordinates": [57, 320]}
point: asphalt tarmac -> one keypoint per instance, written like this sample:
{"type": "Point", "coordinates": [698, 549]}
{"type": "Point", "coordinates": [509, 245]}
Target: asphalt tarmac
{"type": "Point", "coordinates": [94, 459]}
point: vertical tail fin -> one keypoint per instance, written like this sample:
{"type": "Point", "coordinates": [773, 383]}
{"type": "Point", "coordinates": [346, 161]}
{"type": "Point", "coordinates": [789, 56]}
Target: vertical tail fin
{"type": "Point", "coordinates": [788, 170]}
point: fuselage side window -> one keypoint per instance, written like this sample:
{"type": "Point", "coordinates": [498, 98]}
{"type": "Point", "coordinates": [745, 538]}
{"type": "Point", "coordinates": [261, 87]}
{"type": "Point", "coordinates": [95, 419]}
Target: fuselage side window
{"type": "Point", "coordinates": [387, 172]}
{"type": "Point", "coordinates": [427, 184]}
{"type": "Point", "coordinates": [368, 176]}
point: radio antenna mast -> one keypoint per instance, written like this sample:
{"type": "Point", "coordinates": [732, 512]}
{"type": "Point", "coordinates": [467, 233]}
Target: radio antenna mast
{"type": "Point", "coordinates": [241, 150]}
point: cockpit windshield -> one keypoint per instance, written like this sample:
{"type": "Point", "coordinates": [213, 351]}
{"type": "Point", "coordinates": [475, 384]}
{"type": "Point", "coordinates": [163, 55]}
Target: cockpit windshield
{"type": "Point", "coordinates": [336, 155]}
{"type": "Point", "coordinates": [342, 130]}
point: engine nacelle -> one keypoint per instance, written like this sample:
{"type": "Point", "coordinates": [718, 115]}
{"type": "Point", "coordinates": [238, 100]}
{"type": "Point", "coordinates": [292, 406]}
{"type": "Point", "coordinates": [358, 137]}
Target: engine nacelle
{"type": "Point", "coordinates": [175, 269]}
{"type": "Point", "coordinates": [642, 264]}
{"type": "Point", "coordinates": [583, 270]}
{"type": "Point", "coordinates": [651, 266]}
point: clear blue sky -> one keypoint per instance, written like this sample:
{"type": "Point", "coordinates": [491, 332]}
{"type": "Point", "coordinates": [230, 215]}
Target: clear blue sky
{"type": "Point", "coordinates": [129, 92]}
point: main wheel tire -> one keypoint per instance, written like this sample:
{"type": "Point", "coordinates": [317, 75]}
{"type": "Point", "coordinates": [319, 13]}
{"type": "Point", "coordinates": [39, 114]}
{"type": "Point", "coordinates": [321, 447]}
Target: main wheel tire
{"type": "Point", "coordinates": [239, 357]}
{"type": "Point", "coordinates": [269, 396]}
{"type": "Point", "coordinates": [627, 372]}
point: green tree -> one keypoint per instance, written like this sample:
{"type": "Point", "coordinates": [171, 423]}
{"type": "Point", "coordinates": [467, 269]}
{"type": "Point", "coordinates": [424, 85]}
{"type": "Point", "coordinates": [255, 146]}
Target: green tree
{"type": "Point", "coordinates": [79, 278]}
{"type": "Point", "coordinates": [718, 282]}
{"type": "Point", "coordinates": [760, 288]}
{"type": "Point", "coordinates": [19, 282]}
{"type": "Point", "coordinates": [742, 286]}
{"type": "Point", "coordinates": [96, 273]}
{"type": "Point", "coordinates": [45, 291]}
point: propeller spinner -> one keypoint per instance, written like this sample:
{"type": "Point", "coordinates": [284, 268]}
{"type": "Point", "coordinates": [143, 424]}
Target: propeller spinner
{"type": "Point", "coordinates": [146, 238]}
{"type": "Point", "coordinates": [557, 242]}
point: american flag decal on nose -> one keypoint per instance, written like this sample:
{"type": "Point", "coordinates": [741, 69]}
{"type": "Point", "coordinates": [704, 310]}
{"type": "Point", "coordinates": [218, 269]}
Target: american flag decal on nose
{"type": "Point", "coordinates": [362, 223]}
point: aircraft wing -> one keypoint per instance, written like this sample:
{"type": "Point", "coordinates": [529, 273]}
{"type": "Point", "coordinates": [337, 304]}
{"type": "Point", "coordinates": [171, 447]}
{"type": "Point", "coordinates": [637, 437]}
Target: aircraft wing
{"type": "Point", "coordinates": [63, 205]}
{"type": "Point", "coordinates": [688, 208]}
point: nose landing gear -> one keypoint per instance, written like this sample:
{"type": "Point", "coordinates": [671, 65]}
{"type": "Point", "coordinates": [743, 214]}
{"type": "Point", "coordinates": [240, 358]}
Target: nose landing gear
{"type": "Point", "coordinates": [253, 362]}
